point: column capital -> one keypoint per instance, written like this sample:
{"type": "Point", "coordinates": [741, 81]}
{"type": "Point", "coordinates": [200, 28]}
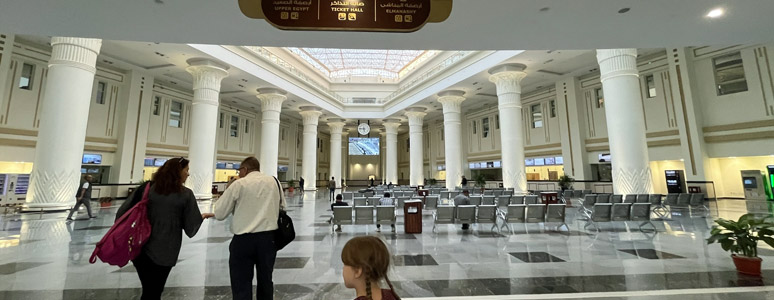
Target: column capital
{"type": "Point", "coordinates": [617, 62]}
{"type": "Point", "coordinates": [508, 78]}
{"type": "Point", "coordinates": [416, 115]}
{"type": "Point", "coordinates": [391, 126]}
{"type": "Point", "coordinates": [207, 75]}
{"type": "Point", "coordinates": [271, 99]}
{"type": "Point", "coordinates": [311, 115]}
{"type": "Point", "coordinates": [336, 126]}
{"type": "Point", "coordinates": [75, 52]}
{"type": "Point", "coordinates": [451, 100]}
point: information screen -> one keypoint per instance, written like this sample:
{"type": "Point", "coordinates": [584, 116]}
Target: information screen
{"type": "Point", "coordinates": [749, 182]}
{"type": "Point", "coordinates": [363, 146]}
{"type": "Point", "coordinates": [92, 159]}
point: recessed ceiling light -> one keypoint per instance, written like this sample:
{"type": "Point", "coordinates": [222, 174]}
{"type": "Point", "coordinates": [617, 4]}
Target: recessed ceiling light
{"type": "Point", "coordinates": [716, 13]}
{"type": "Point", "coordinates": [624, 10]}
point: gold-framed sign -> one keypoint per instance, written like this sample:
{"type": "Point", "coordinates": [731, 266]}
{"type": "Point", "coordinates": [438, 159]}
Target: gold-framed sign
{"type": "Point", "coordinates": [348, 15]}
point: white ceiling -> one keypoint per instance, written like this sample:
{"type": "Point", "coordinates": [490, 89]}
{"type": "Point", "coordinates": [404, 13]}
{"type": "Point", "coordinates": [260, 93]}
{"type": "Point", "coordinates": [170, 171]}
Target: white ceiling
{"type": "Point", "coordinates": [473, 24]}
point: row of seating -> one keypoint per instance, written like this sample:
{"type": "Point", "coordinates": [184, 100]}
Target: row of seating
{"type": "Point", "coordinates": [348, 215]}
{"type": "Point", "coordinates": [489, 214]}
{"type": "Point", "coordinates": [658, 206]}
{"type": "Point", "coordinates": [609, 212]}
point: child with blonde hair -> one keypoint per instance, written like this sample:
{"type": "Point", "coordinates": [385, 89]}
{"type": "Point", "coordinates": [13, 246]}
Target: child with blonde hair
{"type": "Point", "coordinates": [366, 261]}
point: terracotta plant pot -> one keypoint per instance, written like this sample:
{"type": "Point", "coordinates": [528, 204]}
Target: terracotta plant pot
{"type": "Point", "coordinates": [291, 189]}
{"type": "Point", "coordinates": [747, 265]}
{"type": "Point", "coordinates": [104, 204]}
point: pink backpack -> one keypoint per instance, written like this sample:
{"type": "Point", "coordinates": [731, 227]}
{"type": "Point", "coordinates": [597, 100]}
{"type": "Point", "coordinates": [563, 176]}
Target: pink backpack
{"type": "Point", "coordinates": [124, 241]}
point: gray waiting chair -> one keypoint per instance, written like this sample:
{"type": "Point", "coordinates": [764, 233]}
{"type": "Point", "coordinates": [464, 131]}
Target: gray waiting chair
{"type": "Point", "coordinates": [488, 200]}
{"type": "Point", "coordinates": [498, 193]}
{"type": "Point", "coordinates": [621, 211]}
{"type": "Point", "coordinates": [503, 201]}
{"type": "Point", "coordinates": [587, 206]}
{"type": "Point", "coordinates": [555, 213]}
{"type": "Point", "coordinates": [536, 213]}
{"type": "Point", "coordinates": [488, 193]}
{"type": "Point", "coordinates": [567, 195]}
{"type": "Point", "coordinates": [615, 199]}
{"type": "Point", "coordinates": [683, 200]}
{"type": "Point", "coordinates": [516, 200]}
{"type": "Point", "coordinates": [402, 202]}
{"type": "Point", "coordinates": [385, 214]}
{"type": "Point", "coordinates": [342, 215]}
{"type": "Point", "coordinates": [643, 198]}
{"type": "Point", "coordinates": [641, 212]}
{"type": "Point", "coordinates": [444, 214]}
{"type": "Point", "coordinates": [508, 193]}
{"type": "Point", "coordinates": [360, 201]}
{"type": "Point", "coordinates": [431, 202]}
{"type": "Point", "coordinates": [631, 198]}
{"type": "Point", "coordinates": [347, 196]}
{"type": "Point", "coordinates": [599, 213]}
{"type": "Point", "coordinates": [364, 214]}
{"type": "Point", "coordinates": [697, 202]}
{"type": "Point", "coordinates": [657, 205]}
{"type": "Point", "coordinates": [532, 199]}
{"type": "Point", "coordinates": [475, 200]}
{"type": "Point", "coordinates": [445, 195]}
{"type": "Point", "coordinates": [465, 214]}
{"type": "Point", "coordinates": [603, 198]}
{"type": "Point", "coordinates": [516, 213]}
{"type": "Point", "coordinates": [487, 214]}
{"type": "Point", "coordinates": [670, 200]}
{"type": "Point", "coordinates": [577, 194]}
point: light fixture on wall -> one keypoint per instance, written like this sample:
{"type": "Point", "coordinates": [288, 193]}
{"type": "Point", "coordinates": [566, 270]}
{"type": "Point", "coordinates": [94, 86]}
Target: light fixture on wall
{"type": "Point", "coordinates": [716, 13]}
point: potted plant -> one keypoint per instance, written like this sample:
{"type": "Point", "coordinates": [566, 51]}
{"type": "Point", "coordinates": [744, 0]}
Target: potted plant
{"type": "Point", "coordinates": [480, 181]}
{"type": "Point", "coordinates": [105, 201]}
{"type": "Point", "coordinates": [291, 185]}
{"type": "Point", "coordinates": [741, 239]}
{"type": "Point", "coordinates": [432, 181]}
{"type": "Point", "coordinates": [565, 182]}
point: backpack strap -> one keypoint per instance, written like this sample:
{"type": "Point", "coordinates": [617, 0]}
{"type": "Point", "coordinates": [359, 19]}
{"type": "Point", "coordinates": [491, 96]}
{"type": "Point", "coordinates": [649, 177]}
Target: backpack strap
{"type": "Point", "coordinates": [279, 187]}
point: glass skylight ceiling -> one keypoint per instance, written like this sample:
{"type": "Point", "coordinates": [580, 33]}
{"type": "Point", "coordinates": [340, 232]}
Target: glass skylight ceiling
{"type": "Point", "coordinates": [338, 63]}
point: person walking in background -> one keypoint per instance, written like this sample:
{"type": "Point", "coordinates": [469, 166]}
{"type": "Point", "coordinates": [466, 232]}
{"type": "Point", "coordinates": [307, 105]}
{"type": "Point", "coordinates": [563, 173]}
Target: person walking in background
{"type": "Point", "coordinates": [254, 200]}
{"type": "Point", "coordinates": [385, 200]}
{"type": "Point", "coordinates": [301, 183]}
{"type": "Point", "coordinates": [463, 199]}
{"type": "Point", "coordinates": [464, 181]}
{"type": "Point", "coordinates": [366, 262]}
{"type": "Point", "coordinates": [332, 188]}
{"type": "Point", "coordinates": [82, 197]}
{"type": "Point", "coordinates": [172, 208]}
{"type": "Point", "coordinates": [372, 181]}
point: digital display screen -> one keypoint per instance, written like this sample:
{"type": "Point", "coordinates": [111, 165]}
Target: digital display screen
{"type": "Point", "coordinates": [220, 165]}
{"type": "Point", "coordinates": [550, 161]}
{"type": "Point", "coordinates": [282, 168]}
{"type": "Point", "coordinates": [540, 162]}
{"type": "Point", "coordinates": [92, 159]}
{"type": "Point", "coordinates": [363, 146]}
{"type": "Point", "coordinates": [749, 182]}
{"type": "Point", "coordinates": [559, 160]}
{"type": "Point", "coordinates": [159, 162]}
{"type": "Point", "coordinates": [529, 162]}
{"type": "Point", "coordinates": [148, 162]}
{"type": "Point", "coordinates": [498, 164]}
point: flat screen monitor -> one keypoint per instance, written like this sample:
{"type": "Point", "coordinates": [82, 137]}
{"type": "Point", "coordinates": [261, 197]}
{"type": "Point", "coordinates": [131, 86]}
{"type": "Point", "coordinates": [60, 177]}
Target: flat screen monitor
{"type": "Point", "coordinates": [498, 164]}
{"type": "Point", "coordinates": [441, 167]}
{"type": "Point", "coordinates": [749, 182]}
{"type": "Point", "coordinates": [529, 162]}
{"type": "Point", "coordinates": [363, 146]}
{"type": "Point", "coordinates": [93, 159]}
{"type": "Point", "coordinates": [472, 165]}
{"type": "Point", "coordinates": [159, 162]}
{"type": "Point", "coordinates": [220, 165]}
{"type": "Point", "coordinates": [604, 157]}
{"type": "Point", "coordinates": [282, 168]}
{"type": "Point", "coordinates": [550, 161]}
{"type": "Point", "coordinates": [559, 160]}
{"type": "Point", "coordinates": [540, 162]}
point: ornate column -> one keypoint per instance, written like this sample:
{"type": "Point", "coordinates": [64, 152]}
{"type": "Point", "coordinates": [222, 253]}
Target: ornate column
{"type": "Point", "coordinates": [507, 79]}
{"type": "Point", "coordinates": [416, 156]}
{"type": "Point", "coordinates": [344, 155]}
{"type": "Point", "coordinates": [271, 105]}
{"type": "Point", "coordinates": [391, 163]}
{"type": "Point", "coordinates": [336, 126]}
{"type": "Point", "coordinates": [311, 115]}
{"type": "Point", "coordinates": [452, 124]}
{"type": "Point", "coordinates": [64, 116]}
{"type": "Point", "coordinates": [625, 121]}
{"type": "Point", "coordinates": [207, 75]}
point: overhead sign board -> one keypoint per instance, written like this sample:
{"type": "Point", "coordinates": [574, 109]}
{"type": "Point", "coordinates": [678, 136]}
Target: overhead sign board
{"type": "Point", "coordinates": [348, 15]}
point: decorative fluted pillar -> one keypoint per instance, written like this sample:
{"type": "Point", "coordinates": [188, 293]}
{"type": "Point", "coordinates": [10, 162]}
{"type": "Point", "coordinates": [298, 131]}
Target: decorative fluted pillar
{"type": "Point", "coordinates": [271, 106]}
{"type": "Point", "coordinates": [311, 115]}
{"type": "Point", "coordinates": [344, 156]}
{"type": "Point", "coordinates": [416, 145]}
{"type": "Point", "coordinates": [625, 121]}
{"type": "Point", "coordinates": [336, 126]}
{"type": "Point", "coordinates": [507, 78]}
{"type": "Point", "coordinates": [452, 124]}
{"type": "Point", "coordinates": [64, 116]}
{"type": "Point", "coordinates": [391, 163]}
{"type": "Point", "coordinates": [207, 75]}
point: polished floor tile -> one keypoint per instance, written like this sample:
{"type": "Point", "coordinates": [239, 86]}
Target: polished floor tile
{"type": "Point", "coordinates": [650, 253]}
{"type": "Point", "coordinates": [536, 257]}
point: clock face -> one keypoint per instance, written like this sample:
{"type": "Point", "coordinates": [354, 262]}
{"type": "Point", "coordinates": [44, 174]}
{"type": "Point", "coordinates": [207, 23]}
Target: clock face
{"type": "Point", "coordinates": [363, 128]}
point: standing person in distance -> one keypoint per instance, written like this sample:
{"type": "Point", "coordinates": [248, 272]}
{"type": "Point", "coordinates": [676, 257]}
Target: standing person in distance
{"type": "Point", "coordinates": [463, 199]}
{"type": "Point", "coordinates": [254, 200]}
{"type": "Point", "coordinates": [332, 188]}
{"type": "Point", "coordinates": [301, 183]}
{"type": "Point", "coordinates": [366, 262]}
{"type": "Point", "coordinates": [172, 208]}
{"type": "Point", "coordinates": [82, 197]}
{"type": "Point", "coordinates": [464, 181]}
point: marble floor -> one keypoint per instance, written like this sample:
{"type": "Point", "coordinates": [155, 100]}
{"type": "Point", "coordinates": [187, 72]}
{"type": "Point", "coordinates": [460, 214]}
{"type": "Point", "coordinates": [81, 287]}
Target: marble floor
{"type": "Point", "coordinates": [44, 257]}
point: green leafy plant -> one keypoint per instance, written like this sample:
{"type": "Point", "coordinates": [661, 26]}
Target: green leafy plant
{"type": "Point", "coordinates": [291, 183]}
{"type": "Point", "coordinates": [480, 180]}
{"type": "Point", "coordinates": [432, 181]}
{"type": "Point", "coordinates": [565, 181]}
{"type": "Point", "coordinates": [742, 236]}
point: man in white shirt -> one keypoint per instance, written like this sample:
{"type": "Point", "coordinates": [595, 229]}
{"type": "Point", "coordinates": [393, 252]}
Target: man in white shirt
{"type": "Point", "coordinates": [385, 200]}
{"type": "Point", "coordinates": [254, 200]}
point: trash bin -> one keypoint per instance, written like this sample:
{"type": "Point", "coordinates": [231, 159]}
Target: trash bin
{"type": "Point", "coordinates": [412, 211]}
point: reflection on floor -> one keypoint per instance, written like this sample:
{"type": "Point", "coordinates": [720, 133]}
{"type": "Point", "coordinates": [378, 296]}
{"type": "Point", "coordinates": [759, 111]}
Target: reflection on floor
{"type": "Point", "coordinates": [43, 257]}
